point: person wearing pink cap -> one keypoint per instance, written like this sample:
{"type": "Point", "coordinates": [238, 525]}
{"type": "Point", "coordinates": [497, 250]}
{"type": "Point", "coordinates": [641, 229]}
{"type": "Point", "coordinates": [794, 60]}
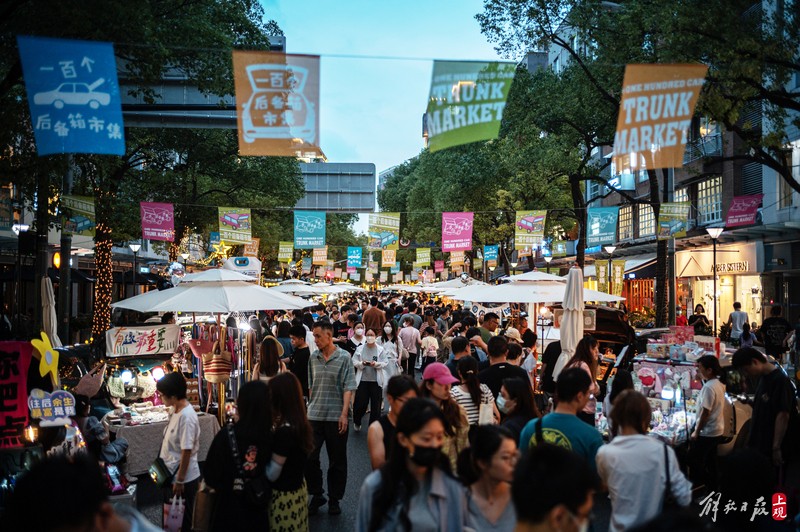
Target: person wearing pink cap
{"type": "Point", "coordinates": [436, 383]}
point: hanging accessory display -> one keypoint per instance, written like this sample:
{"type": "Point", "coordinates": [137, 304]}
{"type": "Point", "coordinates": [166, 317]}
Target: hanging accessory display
{"type": "Point", "coordinates": [217, 364]}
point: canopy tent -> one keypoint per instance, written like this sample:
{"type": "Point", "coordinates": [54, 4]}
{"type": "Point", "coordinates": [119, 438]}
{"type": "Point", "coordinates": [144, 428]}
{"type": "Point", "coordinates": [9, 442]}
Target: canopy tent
{"type": "Point", "coordinates": [525, 292]}
{"type": "Point", "coordinates": [212, 296]}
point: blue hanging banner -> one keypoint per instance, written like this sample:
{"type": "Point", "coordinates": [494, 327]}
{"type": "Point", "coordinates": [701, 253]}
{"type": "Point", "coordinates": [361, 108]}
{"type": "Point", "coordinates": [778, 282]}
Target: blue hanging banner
{"type": "Point", "coordinates": [490, 252]}
{"type": "Point", "coordinates": [354, 257]}
{"type": "Point", "coordinates": [601, 226]}
{"type": "Point", "coordinates": [73, 95]}
{"type": "Point", "coordinates": [309, 229]}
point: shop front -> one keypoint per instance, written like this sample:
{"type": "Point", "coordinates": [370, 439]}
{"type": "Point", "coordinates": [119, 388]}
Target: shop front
{"type": "Point", "coordinates": [738, 279]}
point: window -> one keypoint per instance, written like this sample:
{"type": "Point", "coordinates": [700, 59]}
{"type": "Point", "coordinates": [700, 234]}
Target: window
{"type": "Point", "coordinates": [592, 189]}
{"type": "Point", "coordinates": [625, 222]}
{"type": "Point", "coordinates": [647, 222]}
{"type": "Point", "coordinates": [681, 195]}
{"type": "Point", "coordinates": [709, 201]}
{"type": "Point", "coordinates": [784, 190]}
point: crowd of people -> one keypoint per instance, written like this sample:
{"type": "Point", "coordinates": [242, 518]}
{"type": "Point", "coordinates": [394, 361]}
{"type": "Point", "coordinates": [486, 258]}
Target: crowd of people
{"type": "Point", "coordinates": [467, 426]}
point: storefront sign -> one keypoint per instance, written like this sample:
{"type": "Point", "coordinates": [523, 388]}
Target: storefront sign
{"type": "Point", "coordinates": [140, 341]}
{"type": "Point", "coordinates": [320, 256]}
{"type": "Point", "coordinates": [656, 110]}
{"type": "Point", "coordinates": [601, 226]}
{"type": "Point", "coordinates": [158, 221]}
{"type": "Point", "coordinates": [384, 230]}
{"type": "Point", "coordinates": [277, 103]}
{"type": "Point", "coordinates": [457, 231]}
{"type": "Point", "coordinates": [742, 258]}
{"type": "Point", "coordinates": [309, 229]}
{"type": "Point", "coordinates": [15, 357]}
{"type": "Point", "coordinates": [743, 210]}
{"type": "Point", "coordinates": [466, 101]}
{"type": "Point", "coordinates": [729, 267]}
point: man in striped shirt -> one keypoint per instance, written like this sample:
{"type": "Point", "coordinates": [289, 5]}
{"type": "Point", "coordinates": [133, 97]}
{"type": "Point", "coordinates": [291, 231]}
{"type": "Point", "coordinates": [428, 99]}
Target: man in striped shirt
{"type": "Point", "coordinates": [331, 383]}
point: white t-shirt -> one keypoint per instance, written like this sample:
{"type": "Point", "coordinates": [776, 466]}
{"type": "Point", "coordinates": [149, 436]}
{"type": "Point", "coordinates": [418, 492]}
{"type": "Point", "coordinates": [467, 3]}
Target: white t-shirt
{"type": "Point", "coordinates": [183, 433]}
{"type": "Point", "coordinates": [738, 318]}
{"type": "Point", "coordinates": [712, 396]}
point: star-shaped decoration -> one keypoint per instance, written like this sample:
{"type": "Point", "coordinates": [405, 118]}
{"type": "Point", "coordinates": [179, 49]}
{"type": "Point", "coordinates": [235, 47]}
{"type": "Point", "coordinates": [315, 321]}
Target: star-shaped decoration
{"type": "Point", "coordinates": [221, 249]}
{"type": "Point", "coordinates": [48, 359]}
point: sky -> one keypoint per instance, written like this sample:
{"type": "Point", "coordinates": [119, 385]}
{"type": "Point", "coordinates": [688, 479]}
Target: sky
{"type": "Point", "coordinates": [371, 107]}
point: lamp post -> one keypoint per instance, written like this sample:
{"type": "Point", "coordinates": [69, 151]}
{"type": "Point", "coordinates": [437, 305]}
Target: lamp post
{"type": "Point", "coordinates": [714, 233]}
{"type": "Point", "coordinates": [547, 259]}
{"type": "Point", "coordinates": [135, 248]}
{"type": "Point", "coordinates": [610, 250]}
{"type": "Point", "coordinates": [185, 257]}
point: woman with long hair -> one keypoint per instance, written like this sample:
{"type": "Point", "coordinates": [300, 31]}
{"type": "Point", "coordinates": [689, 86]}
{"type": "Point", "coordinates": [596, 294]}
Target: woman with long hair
{"type": "Point", "coordinates": [487, 469]}
{"type": "Point", "coordinates": [252, 436]}
{"type": "Point", "coordinates": [471, 394]}
{"type": "Point", "coordinates": [436, 384]}
{"type": "Point", "coordinates": [586, 357]}
{"type": "Point", "coordinates": [397, 496]}
{"type": "Point", "coordinates": [293, 442]}
{"type": "Point", "coordinates": [516, 403]}
{"type": "Point", "coordinates": [269, 360]}
{"type": "Point", "coordinates": [623, 380]}
{"type": "Point", "coordinates": [283, 338]}
{"type": "Point", "coordinates": [699, 320]}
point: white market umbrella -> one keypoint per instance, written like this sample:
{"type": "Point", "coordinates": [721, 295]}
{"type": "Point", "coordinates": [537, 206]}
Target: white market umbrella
{"type": "Point", "coordinates": [216, 275]}
{"type": "Point", "coordinates": [572, 322]}
{"type": "Point", "coordinates": [525, 292]}
{"type": "Point", "coordinates": [49, 319]}
{"type": "Point", "coordinates": [292, 281]}
{"type": "Point", "coordinates": [295, 288]}
{"type": "Point", "coordinates": [536, 276]}
{"type": "Point", "coordinates": [402, 288]}
{"type": "Point", "coordinates": [350, 287]}
{"type": "Point", "coordinates": [212, 296]}
{"type": "Point", "coordinates": [457, 283]}
{"type": "Point", "coordinates": [327, 288]}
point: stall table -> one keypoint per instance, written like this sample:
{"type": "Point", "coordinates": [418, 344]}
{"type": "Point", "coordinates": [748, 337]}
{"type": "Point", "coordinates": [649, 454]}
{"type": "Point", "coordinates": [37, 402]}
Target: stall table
{"type": "Point", "coordinates": [145, 441]}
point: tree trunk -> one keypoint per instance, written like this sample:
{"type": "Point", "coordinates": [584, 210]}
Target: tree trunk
{"type": "Point", "coordinates": [104, 283]}
{"type": "Point", "coordinates": [580, 215]}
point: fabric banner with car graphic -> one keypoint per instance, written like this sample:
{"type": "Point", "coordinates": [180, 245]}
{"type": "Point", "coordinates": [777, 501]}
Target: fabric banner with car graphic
{"type": "Point", "coordinates": [277, 103]}
{"type": "Point", "coordinates": [601, 226]}
{"type": "Point", "coordinates": [673, 219]}
{"type": "Point", "coordinates": [528, 229]}
{"type": "Point", "coordinates": [158, 221]}
{"type": "Point", "coordinates": [234, 225]}
{"type": "Point", "coordinates": [309, 229]}
{"type": "Point", "coordinates": [655, 113]}
{"type": "Point", "coordinates": [384, 230]}
{"type": "Point", "coordinates": [73, 95]}
{"type": "Point", "coordinates": [79, 215]}
{"type": "Point", "coordinates": [466, 101]}
{"type": "Point", "coordinates": [457, 231]}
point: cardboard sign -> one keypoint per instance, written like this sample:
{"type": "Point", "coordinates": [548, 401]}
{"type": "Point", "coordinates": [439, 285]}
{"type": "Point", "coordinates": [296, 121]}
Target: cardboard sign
{"type": "Point", "coordinates": [141, 341]}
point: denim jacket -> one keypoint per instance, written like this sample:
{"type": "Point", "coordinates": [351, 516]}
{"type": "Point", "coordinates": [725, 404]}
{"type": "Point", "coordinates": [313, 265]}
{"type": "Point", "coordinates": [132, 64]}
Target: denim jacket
{"type": "Point", "coordinates": [447, 499]}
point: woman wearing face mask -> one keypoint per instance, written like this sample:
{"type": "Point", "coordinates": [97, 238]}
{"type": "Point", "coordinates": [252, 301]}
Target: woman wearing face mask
{"type": "Point", "coordinates": [487, 468]}
{"type": "Point", "coordinates": [414, 489]}
{"type": "Point", "coordinates": [369, 361]}
{"type": "Point", "coordinates": [436, 384]}
{"type": "Point", "coordinates": [389, 342]}
{"type": "Point", "coordinates": [516, 403]}
{"type": "Point", "coordinates": [356, 340]}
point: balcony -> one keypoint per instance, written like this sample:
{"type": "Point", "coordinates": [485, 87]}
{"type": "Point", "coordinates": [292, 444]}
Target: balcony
{"type": "Point", "coordinates": [707, 146]}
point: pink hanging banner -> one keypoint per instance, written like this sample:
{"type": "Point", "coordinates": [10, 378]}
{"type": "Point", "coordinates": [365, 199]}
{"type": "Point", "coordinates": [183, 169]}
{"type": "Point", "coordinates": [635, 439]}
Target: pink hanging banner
{"type": "Point", "coordinates": [457, 231]}
{"type": "Point", "coordinates": [351, 269]}
{"type": "Point", "coordinates": [158, 221]}
{"type": "Point", "coordinates": [438, 266]}
{"type": "Point", "coordinates": [743, 210]}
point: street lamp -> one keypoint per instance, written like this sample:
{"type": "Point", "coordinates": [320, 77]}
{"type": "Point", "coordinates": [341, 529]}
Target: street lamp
{"type": "Point", "coordinates": [135, 248]}
{"type": "Point", "coordinates": [714, 233]}
{"type": "Point", "coordinates": [610, 250]}
{"type": "Point", "coordinates": [547, 259]}
{"type": "Point", "coordinates": [185, 257]}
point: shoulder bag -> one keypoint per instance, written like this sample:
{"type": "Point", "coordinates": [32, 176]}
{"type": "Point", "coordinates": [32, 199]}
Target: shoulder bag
{"type": "Point", "coordinates": [256, 491]}
{"type": "Point", "coordinates": [217, 364]}
{"type": "Point", "coordinates": [669, 499]}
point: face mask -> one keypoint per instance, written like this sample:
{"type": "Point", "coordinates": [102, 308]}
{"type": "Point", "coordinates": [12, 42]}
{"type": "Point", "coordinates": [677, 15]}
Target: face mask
{"type": "Point", "coordinates": [501, 404]}
{"type": "Point", "coordinates": [370, 340]}
{"type": "Point", "coordinates": [426, 456]}
{"type": "Point", "coordinates": [387, 330]}
{"type": "Point", "coordinates": [359, 332]}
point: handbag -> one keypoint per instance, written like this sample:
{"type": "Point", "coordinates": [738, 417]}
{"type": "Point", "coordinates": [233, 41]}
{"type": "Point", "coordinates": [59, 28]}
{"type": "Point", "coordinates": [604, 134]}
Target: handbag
{"type": "Point", "coordinates": [403, 351]}
{"type": "Point", "coordinates": [256, 491]}
{"type": "Point", "coordinates": [217, 364]}
{"type": "Point", "coordinates": [116, 387]}
{"type": "Point", "coordinates": [90, 383]}
{"type": "Point", "coordinates": [173, 514]}
{"type": "Point", "coordinates": [160, 473]}
{"type": "Point", "coordinates": [203, 509]}
{"type": "Point", "coordinates": [669, 500]}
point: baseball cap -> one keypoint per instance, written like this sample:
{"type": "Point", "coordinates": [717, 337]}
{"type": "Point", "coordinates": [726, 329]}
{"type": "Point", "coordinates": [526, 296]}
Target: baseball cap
{"type": "Point", "coordinates": [513, 333]}
{"type": "Point", "coordinates": [438, 372]}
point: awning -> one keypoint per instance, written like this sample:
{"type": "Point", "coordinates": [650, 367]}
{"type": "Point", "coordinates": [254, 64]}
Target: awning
{"type": "Point", "coordinates": [634, 263]}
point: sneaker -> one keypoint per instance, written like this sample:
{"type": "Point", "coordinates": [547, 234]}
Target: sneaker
{"type": "Point", "coordinates": [316, 502]}
{"type": "Point", "coordinates": [334, 508]}
{"type": "Point", "coordinates": [357, 427]}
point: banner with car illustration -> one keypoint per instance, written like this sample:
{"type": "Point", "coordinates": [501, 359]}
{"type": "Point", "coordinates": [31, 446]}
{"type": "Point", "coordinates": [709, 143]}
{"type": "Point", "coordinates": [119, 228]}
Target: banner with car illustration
{"type": "Point", "coordinates": [466, 101]}
{"type": "Point", "coordinates": [528, 229]}
{"type": "Point", "coordinates": [158, 221]}
{"type": "Point", "coordinates": [457, 231]}
{"type": "Point", "coordinates": [73, 95]}
{"type": "Point", "coordinates": [234, 225]}
{"type": "Point", "coordinates": [601, 226]}
{"type": "Point", "coordinates": [309, 229]}
{"type": "Point", "coordinates": [384, 230]}
{"type": "Point", "coordinates": [79, 215]}
{"type": "Point", "coordinates": [673, 219]}
{"type": "Point", "coordinates": [277, 103]}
